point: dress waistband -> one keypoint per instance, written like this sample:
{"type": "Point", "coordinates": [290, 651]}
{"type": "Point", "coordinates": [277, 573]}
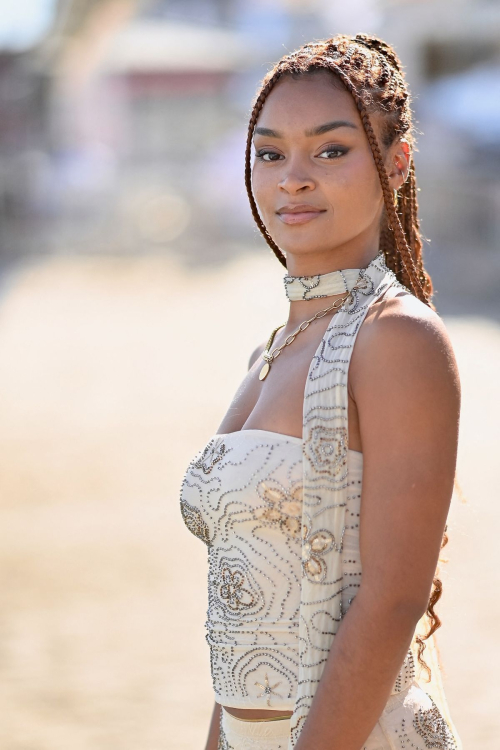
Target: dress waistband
{"type": "Point", "coordinates": [233, 729]}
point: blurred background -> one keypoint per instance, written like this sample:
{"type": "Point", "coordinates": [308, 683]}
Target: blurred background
{"type": "Point", "coordinates": [127, 258]}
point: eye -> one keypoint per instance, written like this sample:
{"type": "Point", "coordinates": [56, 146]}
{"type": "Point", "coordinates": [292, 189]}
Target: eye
{"type": "Point", "coordinates": [260, 155]}
{"type": "Point", "coordinates": [335, 150]}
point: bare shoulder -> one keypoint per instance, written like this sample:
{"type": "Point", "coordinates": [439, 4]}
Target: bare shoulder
{"type": "Point", "coordinates": [401, 315]}
{"type": "Point", "coordinates": [402, 337]}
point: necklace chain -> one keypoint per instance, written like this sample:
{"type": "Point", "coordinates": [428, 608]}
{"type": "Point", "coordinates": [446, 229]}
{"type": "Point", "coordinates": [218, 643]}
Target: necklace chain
{"type": "Point", "coordinates": [269, 357]}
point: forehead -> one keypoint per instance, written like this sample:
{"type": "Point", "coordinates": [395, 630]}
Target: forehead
{"type": "Point", "coordinates": [299, 104]}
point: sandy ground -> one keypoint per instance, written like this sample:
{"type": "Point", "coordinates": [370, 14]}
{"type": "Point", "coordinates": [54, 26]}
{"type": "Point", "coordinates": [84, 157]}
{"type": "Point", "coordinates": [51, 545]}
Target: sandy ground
{"type": "Point", "coordinates": [113, 373]}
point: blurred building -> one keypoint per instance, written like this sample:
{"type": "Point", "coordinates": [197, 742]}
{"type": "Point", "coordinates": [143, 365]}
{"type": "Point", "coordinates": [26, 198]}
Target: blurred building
{"type": "Point", "coordinates": [124, 129]}
{"type": "Point", "coordinates": [452, 55]}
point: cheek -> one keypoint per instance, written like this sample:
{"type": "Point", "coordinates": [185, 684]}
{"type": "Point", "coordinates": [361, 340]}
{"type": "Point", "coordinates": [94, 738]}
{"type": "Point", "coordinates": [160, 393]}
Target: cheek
{"type": "Point", "coordinates": [263, 187]}
{"type": "Point", "coordinates": [354, 186]}
{"type": "Point", "coordinates": [366, 175]}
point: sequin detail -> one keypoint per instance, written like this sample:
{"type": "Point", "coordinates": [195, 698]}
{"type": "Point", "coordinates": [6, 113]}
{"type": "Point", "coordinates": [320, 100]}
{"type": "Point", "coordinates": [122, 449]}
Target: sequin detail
{"type": "Point", "coordinates": [431, 726]}
{"type": "Point", "coordinates": [249, 513]}
{"type": "Point", "coordinates": [326, 449]}
{"type": "Point", "coordinates": [251, 508]}
{"type": "Point", "coordinates": [194, 521]}
{"type": "Point", "coordinates": [282, 505]}
{"type": "Point", "coordinates": [212, 453]}
{"type": "Point", "coordinates": [406, 674]}
{"type": "Point", "coordinates": [223, 744]}
{"type": "Point", "coordinates": [280, 581]}
{"type": "Point", "coordinates": [268, 690]}
{"type": "Point", "coordinates": [232, 589]}
{"type": "Point", "coordinates": [327, 493]}
{"type": "Point", "coordinates": [314, 547]}
{"type": "Point", "coordinates": [419, 726]}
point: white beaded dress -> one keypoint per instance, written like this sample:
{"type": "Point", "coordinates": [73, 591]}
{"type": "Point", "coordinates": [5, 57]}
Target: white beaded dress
{"type": "Point", "coordinates": [280, 518]}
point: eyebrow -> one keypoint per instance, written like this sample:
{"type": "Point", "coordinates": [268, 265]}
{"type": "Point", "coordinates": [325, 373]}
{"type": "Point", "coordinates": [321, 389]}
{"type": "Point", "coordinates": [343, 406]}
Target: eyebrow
{"type": "Point", "coordinates": [319, 130]}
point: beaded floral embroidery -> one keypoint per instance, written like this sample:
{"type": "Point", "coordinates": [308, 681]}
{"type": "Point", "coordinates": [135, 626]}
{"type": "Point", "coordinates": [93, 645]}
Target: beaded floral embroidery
{"type": "Point", "coordinates": [251, 504]}
{"type": "Point", "coordinates": [213, 452]}
{"type": "Point", "coordinates": [267, 690]}
{"type": "Point", "coordinates": [232, 590]}
{"type": "Point", "coordinates": [314, 547]}
{"type": "Point", "coordinates": [282, 572]}
{"type": "Point", "coordinates": [282, 505]}
{"type": "Point", "coordinates": [326, 449]}
{"type": "Point", "coordinates": [325, 494]}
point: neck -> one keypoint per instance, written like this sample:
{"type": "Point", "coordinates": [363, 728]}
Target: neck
{"type": "Point", "coordinates": [301, 310]}
{"type": "Point", "coordinates": [319, 283]}
{"type": "Point", "coordinates": [332, 261]}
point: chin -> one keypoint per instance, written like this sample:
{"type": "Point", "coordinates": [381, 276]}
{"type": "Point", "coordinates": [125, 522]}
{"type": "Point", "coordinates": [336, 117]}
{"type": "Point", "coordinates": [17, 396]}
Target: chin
{"type": "Point", "coordinates": [305, 246]}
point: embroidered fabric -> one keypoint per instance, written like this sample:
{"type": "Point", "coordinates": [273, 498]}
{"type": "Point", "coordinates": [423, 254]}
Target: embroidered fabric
{"type": "Point", "coordinates": [320, 285]}
{"type": "Point", "coordinates": [325, 477]}
{"type": "Point", "coordinates": [246, 735]}
{"type": "Point", "coordinates": [256, 533]}
{"type": "Point", "coordinates": [242, 496]}
{"type": "Point", "coordinates": [410, 721]}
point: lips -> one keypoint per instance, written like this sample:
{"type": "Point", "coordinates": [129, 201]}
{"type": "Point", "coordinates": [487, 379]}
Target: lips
{"type": "Point", "coordinates": [298, 208]}
{"type": "Point", "coordinates": [299, 213]}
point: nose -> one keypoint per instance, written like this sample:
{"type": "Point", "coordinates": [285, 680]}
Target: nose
{"type": "Point", "coordinates": [295, 179]}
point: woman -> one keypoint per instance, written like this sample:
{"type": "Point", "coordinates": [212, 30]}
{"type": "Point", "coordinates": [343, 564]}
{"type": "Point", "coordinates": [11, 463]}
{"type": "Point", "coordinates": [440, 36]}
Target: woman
{"type": "Point", "coordinates": [318, 601]}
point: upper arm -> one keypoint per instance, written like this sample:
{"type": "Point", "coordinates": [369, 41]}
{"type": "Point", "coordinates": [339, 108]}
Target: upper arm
{"type": "Point", "coordinates": [407, 391]}
{"type": "Point", "coordinates": [256, 354]}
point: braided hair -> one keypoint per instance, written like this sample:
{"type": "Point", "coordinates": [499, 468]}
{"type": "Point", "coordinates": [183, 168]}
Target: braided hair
{"type": "Point", "coordinates": [372, 72]}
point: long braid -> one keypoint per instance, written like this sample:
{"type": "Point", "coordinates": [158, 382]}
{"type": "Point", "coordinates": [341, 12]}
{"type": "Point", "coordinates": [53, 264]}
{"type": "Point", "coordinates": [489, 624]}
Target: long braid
{"type": "Point", "coordinates": [373, 74]}
{"type": "Point", "coordinates": [410, 271]}
{"type": "Point", "coordinates": [407, 197]}
{"type": "Point", "coordinates": [259, 103]}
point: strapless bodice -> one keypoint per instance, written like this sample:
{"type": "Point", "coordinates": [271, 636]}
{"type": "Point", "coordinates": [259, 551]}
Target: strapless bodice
{"type": "Point", "coordinates": [242, 496]}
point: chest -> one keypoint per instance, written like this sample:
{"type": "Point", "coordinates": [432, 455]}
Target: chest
{"type": "Point", "coordinates": [276, 403]}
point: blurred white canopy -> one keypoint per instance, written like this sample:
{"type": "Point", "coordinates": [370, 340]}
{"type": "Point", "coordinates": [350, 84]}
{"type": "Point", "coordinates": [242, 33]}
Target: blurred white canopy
{"type": "Point", "coordinates": [468, 101]}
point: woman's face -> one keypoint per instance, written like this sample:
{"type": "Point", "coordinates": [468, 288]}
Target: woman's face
{"type": "Point", "coordinates": [333, 171]}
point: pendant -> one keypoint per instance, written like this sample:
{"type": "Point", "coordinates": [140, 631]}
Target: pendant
{"type": "Point", "coordinates": [265, 369]}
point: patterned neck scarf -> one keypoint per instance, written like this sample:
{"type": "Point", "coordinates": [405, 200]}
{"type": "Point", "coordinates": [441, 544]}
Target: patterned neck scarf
{"type": "Point", "coordinates": [325, 477]}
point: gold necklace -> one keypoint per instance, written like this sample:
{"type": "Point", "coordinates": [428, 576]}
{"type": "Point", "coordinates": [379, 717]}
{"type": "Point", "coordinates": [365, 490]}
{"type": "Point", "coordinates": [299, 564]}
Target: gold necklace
{"type": "Point", "coordinates": [270, 356]}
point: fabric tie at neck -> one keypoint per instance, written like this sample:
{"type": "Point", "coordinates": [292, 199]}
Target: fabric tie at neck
{"type": "Point", "coordinates": [320, 285]}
